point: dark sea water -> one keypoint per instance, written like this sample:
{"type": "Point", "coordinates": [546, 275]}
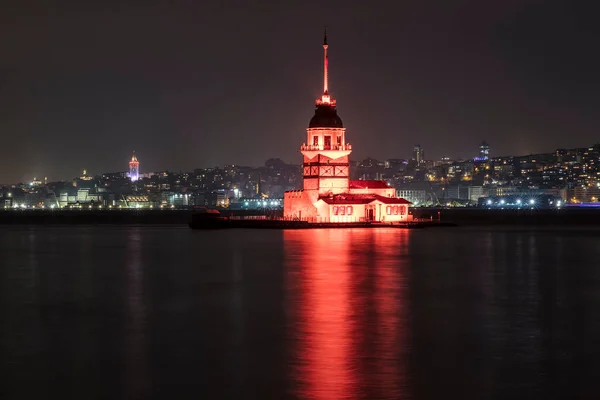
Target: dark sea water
{"type": "Point", "coordinates": [170, 313]}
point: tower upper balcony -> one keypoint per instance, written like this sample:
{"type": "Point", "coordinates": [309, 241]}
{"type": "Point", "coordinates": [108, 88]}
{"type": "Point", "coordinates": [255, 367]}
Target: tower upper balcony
{"type": "Point", "coordinates": [335, 147]}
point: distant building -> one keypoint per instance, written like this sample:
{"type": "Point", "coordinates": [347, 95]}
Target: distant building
{"type": "Point", "coordinates": [416, 196]}
{"type": "Point", "coordinates": [134, 168]}
{"type": "Point", "coordinates": [395, 163]}
{"type": "Point", "coordinates": [484, 151]}
{"type": "Point", "coordinates": [418, 154]}
{"type": "Point", "coordinates": [85, 176]}
{"type": "Point", "coordinates": [585, 194]}
{"type": "Point", "coordinates": [475, 192]}
{"type": "Point", "coordinates": [139, 201]}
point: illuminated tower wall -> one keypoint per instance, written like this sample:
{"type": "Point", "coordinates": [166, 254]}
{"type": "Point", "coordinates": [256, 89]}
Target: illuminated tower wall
{"type": "Point", "coordinates": [326, 163]}
{"type": "Point", "coordinates": [134, 168]}
{"type": "Point", "coordinates": [326, 168]}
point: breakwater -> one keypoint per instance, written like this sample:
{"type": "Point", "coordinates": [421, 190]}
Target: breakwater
{"type": "Point", "coordinates": [106, 217]}
{"type": "Point", "coordinates": [454, 216]}
{"type": "Point", "coordinates": [480, 216]}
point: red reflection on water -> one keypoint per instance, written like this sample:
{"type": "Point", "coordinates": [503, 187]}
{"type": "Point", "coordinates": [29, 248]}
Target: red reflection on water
{"type": "Point", "coordinates": [347, 315]}
{"type": "Point", "coordinates": [324, 327]}
{"type": "Point", "coordinates": [391, 283]}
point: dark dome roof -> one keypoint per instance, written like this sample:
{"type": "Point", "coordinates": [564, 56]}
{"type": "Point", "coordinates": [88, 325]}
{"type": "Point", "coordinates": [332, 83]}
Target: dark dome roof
{"type": "Point", "coordinates": [325, 117]}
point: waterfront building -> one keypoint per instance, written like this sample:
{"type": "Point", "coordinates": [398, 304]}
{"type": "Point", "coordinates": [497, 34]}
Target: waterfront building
{"type": "Point", "coordinates": [585, 194]}
{"type": "Point", "coordinates": [476, 192]}
{"type": "Point", "coordinates": [328, 194]}
{"type": "Point", "coordinates": [521, 201]}
{"type": "Point", "coordinates": [415, 196]}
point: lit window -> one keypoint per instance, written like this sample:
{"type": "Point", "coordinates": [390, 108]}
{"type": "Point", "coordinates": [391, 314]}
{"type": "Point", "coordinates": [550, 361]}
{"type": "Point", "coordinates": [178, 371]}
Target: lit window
{"type": "Point", "coordinates": [402, 210]}
{"type": "Point", "coordinates": [388, 210]}
{"type": "Point", "coordinates": [335, 210]}
{"type": "Point", "coordinates": [342, 210]}
{"type": "Point", "coordinates": [349, 210]}
{"type": "Point", "coordinates": [395, 210]}
{"type": "Point", "coordinates": [315, 140]}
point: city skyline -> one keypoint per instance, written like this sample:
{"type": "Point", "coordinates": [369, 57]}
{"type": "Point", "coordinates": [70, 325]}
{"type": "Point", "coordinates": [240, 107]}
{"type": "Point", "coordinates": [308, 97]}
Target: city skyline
{"type": "Point", "coordinates": [126, 167]}
{"type": "Point", "coordinates": [161, 82]}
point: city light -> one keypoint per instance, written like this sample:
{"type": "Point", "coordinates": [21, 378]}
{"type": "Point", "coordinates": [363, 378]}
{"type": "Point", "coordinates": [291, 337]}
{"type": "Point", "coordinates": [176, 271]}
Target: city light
{"type": "Point", "coordinates": [519, 182]}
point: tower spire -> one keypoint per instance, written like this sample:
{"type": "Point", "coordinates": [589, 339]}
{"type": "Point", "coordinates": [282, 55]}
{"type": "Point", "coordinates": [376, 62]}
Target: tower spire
{"type": "Point", "coordinates": [325, 66]}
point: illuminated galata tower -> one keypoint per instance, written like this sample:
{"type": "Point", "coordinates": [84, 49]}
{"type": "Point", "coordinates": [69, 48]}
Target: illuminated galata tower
{"type": "Point", "coordinates": [134, 168]}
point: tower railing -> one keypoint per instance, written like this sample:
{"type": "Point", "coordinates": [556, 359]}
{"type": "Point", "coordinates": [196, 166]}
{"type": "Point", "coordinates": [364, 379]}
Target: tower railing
{"type": "Point", "coordinates": [339, 147]}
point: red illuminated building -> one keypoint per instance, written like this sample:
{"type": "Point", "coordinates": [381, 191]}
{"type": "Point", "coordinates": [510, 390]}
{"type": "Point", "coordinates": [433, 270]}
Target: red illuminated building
{"type": "Point", "coordinates": [328, 194]}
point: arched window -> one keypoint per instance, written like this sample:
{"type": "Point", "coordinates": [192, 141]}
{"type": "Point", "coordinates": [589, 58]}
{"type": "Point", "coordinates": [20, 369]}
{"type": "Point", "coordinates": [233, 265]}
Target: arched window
{"type": "Point", "coordinates": [395, 210]}
{"type": "Point", "coordinates": [388, 210]}
{"type": "Point", "coordinates": [335, 210]}
{"type": "Point", "coordinates": [349, 210]}
{"type": "Point", "coordinates": [402, 210]}
{"type": "Point", "coordinates": [342, 210]}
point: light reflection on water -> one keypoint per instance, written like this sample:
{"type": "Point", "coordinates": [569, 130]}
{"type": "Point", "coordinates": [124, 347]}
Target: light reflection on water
{"type": "Point", "coordinates": [149, 312]}
{"type": "Point", "coordinates": [136, 342]}
{"type": "Point", "coordinates": [348, 312]}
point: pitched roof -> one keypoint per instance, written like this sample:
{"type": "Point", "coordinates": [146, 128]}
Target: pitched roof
{"type": "Point", "coordinates": [369, 184]}
{"type": "Point", "coordinates": [392, 200]}
{"type": "Point", "coordinates": [362, 199]}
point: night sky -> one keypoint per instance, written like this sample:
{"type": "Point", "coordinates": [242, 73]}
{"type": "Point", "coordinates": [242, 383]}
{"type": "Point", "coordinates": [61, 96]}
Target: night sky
{"type": "Point", "coordinates": [191, 85]}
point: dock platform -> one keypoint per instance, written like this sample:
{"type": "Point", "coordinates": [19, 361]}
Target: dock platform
{"type": "Point", "coordinates": [285, 224]}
